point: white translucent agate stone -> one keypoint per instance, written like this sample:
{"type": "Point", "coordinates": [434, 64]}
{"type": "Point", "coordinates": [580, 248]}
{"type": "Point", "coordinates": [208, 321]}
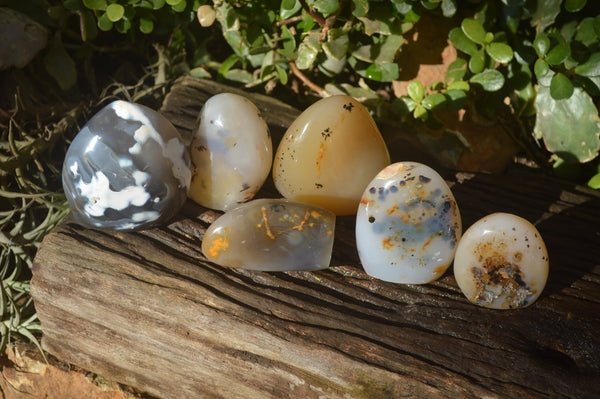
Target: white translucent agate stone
{"type": "Point", "coordinates": [271, 235]}
{"type": "Point", "coordinates": [329, 154]}
{"type": "Point", "coordinates": [231, 152]}
{"type": "Point", "coordinates": [501, 262]}
{"type": "Point", "coordinates": [407, 225]}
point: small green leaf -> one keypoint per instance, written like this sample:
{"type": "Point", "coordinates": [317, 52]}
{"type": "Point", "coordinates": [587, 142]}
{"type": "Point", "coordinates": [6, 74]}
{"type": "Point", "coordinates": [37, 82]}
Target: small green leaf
{"type": "Point", "coordinates": [60, 65]}
{"type": "Point", "coordinates": [541, 68]}
{"type": "Point", "coordinates": [571, 127]}
{"type": "Point", "coordinates": [382, 72]}
{"type": "Point", "coordinates": [200, 72]}
{"type": "Point", "coordinates": [146, 25]}
{"type": "Point", "coordinates": [560, 51]}
{"type": "Point", "coordinates": [88, 26]}
{"type": "Point", "coordinates": [591, 67]}
{"type": "Point", "coordinates": [180, 6]}
{"type": "Point", "coordinates": [361, 8]}
{"type": "Point", "coordinates": [326, 7]}
{"type": "Point", "coordinates": [115, 12]}
{"type": "Point", "coordinates": [416, 91]}
{"type": "Point", "coordinates": [594, 182]}
{"type": "Point", "coordinates": [477, 61]}
{"type": "Point", "coordinates": [228, 64]}
{"type": "Point", "coordinates": [474, 30]}
{"type": "Point", "coordinates": [459, 85]}
{"type": "Point", "coordinates": [289, 41]}
{"type": "Point", "coordinates": [500, 52]}
{"type": "Point", "coordinates": [448, 8]}
{"type": "Point", "coordinates": [104, 23]}
{"type": "Point", "coordinates": [289, 8]}
{"type": "Point", "coordinates": [490, 80]}
{"type": "Point", "coordinates": [433, 101]}
{"type": "Point", "coordinates": [541, 44]}
{"type": "Point", "coordinates": [123, 25]}
{"type": "Point", "coordinates": [457, 99]}
{"type": "Point", "coordinates": [597, 25]}
{"type": "Point", "coordinates": [239, 75]}
{"type": "Point", "coordinates": [456, 70]}
{"type": "Point", "coordinates": [282, 74]}
{"type": "Point", "coordinates": [158, 4]}
{"type": "Point", "coordinates": [173, 2]}
{"type": "Point", "coordinates": [410, 103]}
{"type": "Point", "coordinates": [337, 47]}
{"type": "Point", "coordinates": [574, 5]}
{"type": "Point", "coordinates": [420, 112]}
{"type": "Point", "coordinates": [462, 42]}
{"type": "Point", "coordinates": [95, 4]}
{"type": "Point", "coordinates": [545, 14]}
{"type": "Point", "coordinates": [561, 87]}
{"type": "Point", "coordinates": [307, 55]}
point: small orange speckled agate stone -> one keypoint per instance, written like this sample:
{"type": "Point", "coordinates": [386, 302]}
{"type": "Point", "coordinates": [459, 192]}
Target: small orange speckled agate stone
{"type": "Point", "coordinates": [329, 154]}
{"type": "Point", "coordinates": [271, 235]}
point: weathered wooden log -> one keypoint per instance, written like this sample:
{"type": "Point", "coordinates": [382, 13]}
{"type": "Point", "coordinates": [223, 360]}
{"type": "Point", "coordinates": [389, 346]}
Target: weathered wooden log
{"type": "Point", "coordinates": [146, 309]}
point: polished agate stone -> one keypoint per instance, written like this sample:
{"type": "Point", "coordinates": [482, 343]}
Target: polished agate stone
{"type": "Point", "coordinates": [231, 152]}
{"type": "Point", "coordinates": [127, 169]}
{"type": "Point", "coordinates": [501, 262]}
{"type": "Point", "coordinates": [407, 225]}
{"type": "Point", "coordinates": [329, 154]}
{"type": "Point", "coordinates": [271, 235]}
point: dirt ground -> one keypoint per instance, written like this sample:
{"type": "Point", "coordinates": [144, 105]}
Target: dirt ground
{"type": "Point", "coordinates": [25, 374]}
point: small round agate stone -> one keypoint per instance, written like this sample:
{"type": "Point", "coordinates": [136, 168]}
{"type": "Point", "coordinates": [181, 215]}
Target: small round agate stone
{"type": "Point", "coordinates": [271, 235]}
{"type": "Point", "coordinates": [407, 225]}
{"type": "Point", "coordinates": [329, 154]}
{"type": "Point", "coordinates": [231, 152]}
{"type": "Point", "coordinates": [501, 262]}
{"type": "Point", "coordinates": [127, 169]}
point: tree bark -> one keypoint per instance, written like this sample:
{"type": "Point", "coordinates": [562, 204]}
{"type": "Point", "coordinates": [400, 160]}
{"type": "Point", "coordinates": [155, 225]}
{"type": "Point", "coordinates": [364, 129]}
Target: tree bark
{"type": "Point", "coordinates": [146, 308]}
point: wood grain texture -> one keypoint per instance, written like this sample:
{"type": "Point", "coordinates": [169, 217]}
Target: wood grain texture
{"type": "Point", "coordinates": [148, 310]}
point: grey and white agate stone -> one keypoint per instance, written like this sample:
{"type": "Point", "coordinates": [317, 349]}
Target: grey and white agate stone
{"type": "Point", "coordinates": [127, 169]}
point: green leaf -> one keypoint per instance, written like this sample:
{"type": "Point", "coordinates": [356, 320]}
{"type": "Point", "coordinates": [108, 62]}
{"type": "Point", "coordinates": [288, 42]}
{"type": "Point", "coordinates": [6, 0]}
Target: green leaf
{"type": "Point", "coordinates": [571, 127]}
{"type": "Point", "coordinates": [289, 8]}
{"type": "Point", "coordinates": [574, 5]}
{"type": "Point", "coordinates": [594, 182]}
{"type": "Point", "coordinates": [597, 25]}
{"type": "Point", "coordinates": [307, 55]}
{"type": "Point", "coordinates": [326, 7]}
{"type": "Point", "coordinates": [459, 85]}
{"type": "Point", "coordinates": [383, 52]}
{"type": "Point", "coordinates": [115, 12]}
{"type": "Point", "coordinates": [477, 61]}
{"type": "Point", "coordinates": [545, 14]}
{"type": "Point", "coordinates": [490, 80]}
{"type": "Point", "coordinates": [146, 25]}
{"type": "Point", "coordinates": [228, 64]}
{"type": "Point", "coordinates": [123, 25]}
{"type": "Point", "coordinates": [382, 72]}
{"type": "Point", "coordinates": [586, 33]}
{"type": "Point", "coordinates": [158, 4]}
{"type": "Point", "coordinates": [282, 74]}
{"type": "Point", "coordinates": [289, 41]}
{"type": "Point", "coordinates": [420, 112]}
{"type": "Point", "coordinates": [88, 26]}
{"type": "Point", "coordinates": [462, 42]}
{"type": "Point", "coordinates": [457, 99]}
{"type": "Point", "coordinates": [173, 2]}
{"type": "Point", "coordinates": [95, 4]}
{"type": "Point", "coordinates": [561, 87]}
{"type": "Point", "coordinates": [104, 23]}
{"type": "Point", "coordinates": [416, 91]}
{"type": "Point", "coordinates": [500, 52]}
{"type": "Point", "coordinates": [60, 65]}
{"type": "Point", "coordinates": [474, 30]}
{"type": "Point", "coordinates": [402, 6]}
{"type": "Point", "coordinates": [239, 75]}
{"type": "Point", "coordinates": [541, 44]}
{"type": "Point", "coordinates": [200, 72]}
{"type": "Point", "coordinates": [448, 8]}
{"type": "Point", "coordinates": [456, 70]}
{"type": "Point", "coordinates": [361, 8]}
{"type": "Point", "coordinates": [433, 101]}
{"type": "Point", "coordinates": [180, 6]}
{"type": "Point", "coordinates": [591, 67]}
{"type": "Point", "coordinates": [560, 51]}
{"type": "Point", "coordinates": [541, 68]}
{"type": "Point", "coordinates": [337, 47]}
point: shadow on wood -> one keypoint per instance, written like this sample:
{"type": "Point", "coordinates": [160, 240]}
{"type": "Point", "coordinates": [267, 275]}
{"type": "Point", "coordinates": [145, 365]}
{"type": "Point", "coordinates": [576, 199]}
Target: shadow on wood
{"type": "Point", "coordinates": [147, 309]}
